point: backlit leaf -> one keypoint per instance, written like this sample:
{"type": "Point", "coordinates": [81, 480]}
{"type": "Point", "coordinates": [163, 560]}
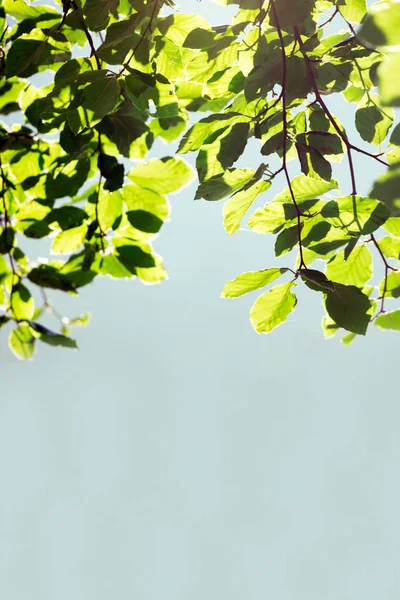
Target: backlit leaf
{"type": "Point", "coordinates": [381, 26]}
{"type": "Point", "coordinates": [22, 342]}
{"type": "Point", "coordinates": [272, 308]}
{"type": "Point", "coordinates": [247, 282]}
{"type": "Point", "coordinates": [162, 175]}
{"type": "Point", "coordinates": [236, 207]}
{"type": "Point", "coordinates": [390, 320]}
{"type": "Point", "coordinates": [356, 270]}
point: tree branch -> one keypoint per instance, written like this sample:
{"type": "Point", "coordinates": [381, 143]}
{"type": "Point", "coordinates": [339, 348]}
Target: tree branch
{"type": "Point", "coordinates": [349, 148]}
{"type": "Point", "coordinates": [285, 132]}
{"type": "Point", "coordinates": [88, 37]}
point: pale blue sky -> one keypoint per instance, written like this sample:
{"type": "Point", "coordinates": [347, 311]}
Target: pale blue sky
{"type": "Point", "coordinates": [181, 456]}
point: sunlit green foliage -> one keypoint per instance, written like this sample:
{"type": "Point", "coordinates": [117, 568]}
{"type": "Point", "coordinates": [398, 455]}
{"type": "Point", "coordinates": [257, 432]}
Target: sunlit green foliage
{"type": "Point", "coordinates": [87, 86]}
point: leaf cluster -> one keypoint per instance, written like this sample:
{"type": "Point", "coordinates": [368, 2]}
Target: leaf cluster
{"type": "Point", "coordinates": [86, 89]}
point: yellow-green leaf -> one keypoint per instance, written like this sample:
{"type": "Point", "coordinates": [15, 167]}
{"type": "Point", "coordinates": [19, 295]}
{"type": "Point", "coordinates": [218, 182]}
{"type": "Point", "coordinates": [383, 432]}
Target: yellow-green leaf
{"type": "Point", "coordinates": [272, 308]}
{"type": "Point", "coordinates": [236, 207]}
{"type": "Point", "coordinates": [356, 270]}
{"type": "Point", "coordinates": [250, 281]}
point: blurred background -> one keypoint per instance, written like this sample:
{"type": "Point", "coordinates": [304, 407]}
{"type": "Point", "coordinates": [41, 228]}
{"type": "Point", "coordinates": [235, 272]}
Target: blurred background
{"type": "Point", "coordinates": [179, 455]}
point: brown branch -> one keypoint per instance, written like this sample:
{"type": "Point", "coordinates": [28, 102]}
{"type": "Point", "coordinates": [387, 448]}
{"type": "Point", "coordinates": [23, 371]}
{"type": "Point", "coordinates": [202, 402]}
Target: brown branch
{"type": "Point", "coordinates": [387, 269]}
{"type": "Point", "coordinates": [88, 37]}
{"type": "Point", "coordinates": [285, 132]}
{"type": "Point", "coordinates": [349, 148]}
{"type": "Point", "coordinates": [321, 102]}
{"type": "Point", "coordinates": [333, 15]}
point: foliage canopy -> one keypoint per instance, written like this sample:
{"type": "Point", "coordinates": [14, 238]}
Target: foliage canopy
{"type": "Point", "coordinates": [119, 74]}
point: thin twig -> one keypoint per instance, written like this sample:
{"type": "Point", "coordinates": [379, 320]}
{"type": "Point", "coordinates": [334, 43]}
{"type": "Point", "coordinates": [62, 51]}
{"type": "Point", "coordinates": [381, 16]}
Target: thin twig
{"type": "Point", "coordinates": [139, 42]}
{"type": "Point", "coordinates": [333, 15]}
{"type": "Point", "coordinates": [6, 224]}
{"type": "Point", "coordinates": [88, 37]}
{"type": "Point", "coordinates": [268, 107]}
{"type": "Point", "coordinates": [102, 233]}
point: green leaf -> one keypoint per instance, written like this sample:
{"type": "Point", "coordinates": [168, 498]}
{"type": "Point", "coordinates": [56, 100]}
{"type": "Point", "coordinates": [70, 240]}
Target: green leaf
{"type": "Point", "coordinates": [381, 27]}
{"type": "Point", "coordinates": [199, 38]}
{"type": "Point", "coordinates": [356, 214]}
{"type": "Point", "coordinates": [356, 270]}
{"type": "Point", "coordinates": [22, 303]}
{"type": "Point", "coordinates": [222, 153]}
{"type": "Point", "coordinates": [387, 189]}
{"type": "Point", "coordinates": [112, 170]}
{"type": "Point", "coordinates": [392, 225]}
{"type": "Point", "coordinates": [316, 280]}
{"type": "Point", "coordinates": [392, 285]}
{"type": "Point", "coordinates": [390, 320]}
{"type": "Point", "coordinates": [206, 130]}
{"type": "Point", "coordinates": [305, 188]}
{"type": "Point", "coordinates": [80, 321]}
{"type": "Point", "coordinates": [7, 237]}
{"type": "Point", "coordinates": [144, 221]}
{"type": "Point", "coordinates": [313, 164]}
{"type": "Point", "coordinates": [273, 215]}
{"type": "Point", "coordinates": [272, 308]}
{"type": "Point", "coordinates": [137, 198]}
{"type": "Point", "coordinates": [389, 80]}
{"type": "Point", "coordinates": [109, 209]}
{"type": "Point", "coordinates": [286, 240]}
{"type": "Point", "coordinates": [291, 13]}
{"type": "Point", "coordinates": [220, 186]}
{"type": "Point", "coordinates": [127, 132]}
{"type": "Point", "coordinates": [395, 135]}
{"type": "Point", "coordinates": [329, 327]}
{"type": "Point", "coordinates": [268, 218]}
{"type": "Point", "coordinates": [65, 217]}
{"type": "Point", "coordinates": [252, 280]}
{"type": "Point", "coordinates": [349, 308]}
{"type": "Point", "coordinates": [390, 247]}
{"type": "Point", "coordinates": [69, 240]}
{"type": "Point", "coordinates": [52, 337]}
{"type": "Point", "coordinates": [133, 256]}
{"type": "Point", "coordinates": [353, 10]}
{"type": "Point", "coordinates": [169, 129]}
{"type": "Point", "coordinates": [348, 338]}
{"type": "Point", "coordinates": [120, 39]}
{"type": "Point", "coordinates": [237, 205]}
{"type": "Point", "coordinates": [30, 53]}
{"type": "Point", "coordinates": [22, 342]}
{"type": "Point", "coordinates": [322, 141]}
{"type": "Point", "coordinates": [97, 13]}
{"type": "Point", "coordinates": [112, 267]}
{"type": "Point", "coordinates": [4, 320]}
{"type": "Point", "coordinates": [162, 175]}
{"type": "Point", "coordinates": [372, 121]}
{"type": "Point", "coordinates": [20, 10]}
{"type": "Point", "coordinates": [178, 27]}
{"type": "Point", "coordinates": [49, 276]}
{"type": "Point", "coordinates": [101, 96]}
